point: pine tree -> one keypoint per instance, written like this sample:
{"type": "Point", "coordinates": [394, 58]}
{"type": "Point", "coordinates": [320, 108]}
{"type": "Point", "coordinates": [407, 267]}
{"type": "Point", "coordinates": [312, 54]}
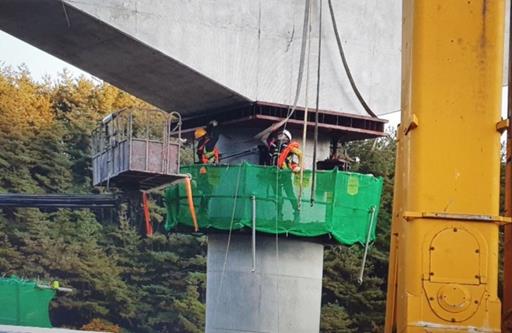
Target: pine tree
{"type": "Point", "coordinates": [118, 275]}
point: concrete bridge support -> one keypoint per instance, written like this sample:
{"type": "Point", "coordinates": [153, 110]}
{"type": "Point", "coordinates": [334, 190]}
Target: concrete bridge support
{"type": "Point", "coordinates": [282, 294]}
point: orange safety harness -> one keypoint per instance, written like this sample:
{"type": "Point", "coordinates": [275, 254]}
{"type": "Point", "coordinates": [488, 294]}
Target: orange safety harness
{"type": "Point", "coordinates": [208, 157]}
{"type": "Point", "coordinates": [285, 161]}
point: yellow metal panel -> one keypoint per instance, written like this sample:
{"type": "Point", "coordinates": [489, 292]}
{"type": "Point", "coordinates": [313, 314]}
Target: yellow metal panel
{"type": "Point", "coordinates": [448, 167]}
{"type": "Point", "coordinates": [456, 94]}
{"type": "Point", "coordinates": [394, 243]}
{"type": "Point", "coordinates": [446, 262]}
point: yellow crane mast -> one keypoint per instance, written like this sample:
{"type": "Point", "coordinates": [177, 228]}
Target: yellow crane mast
{"type": "Point", "coordinates": [443, 272]}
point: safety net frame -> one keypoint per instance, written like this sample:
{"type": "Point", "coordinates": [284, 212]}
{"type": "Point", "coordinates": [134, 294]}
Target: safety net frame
{"type": "Point", "coordinates": [23, 302]}
{"type": "Point", "coordinates": [346, 204]}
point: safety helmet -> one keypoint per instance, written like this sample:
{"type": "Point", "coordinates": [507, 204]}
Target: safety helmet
{"type": "Point", "coordinates": [199, 133]}
{"type": "Point", "coordinates": [287, 134]}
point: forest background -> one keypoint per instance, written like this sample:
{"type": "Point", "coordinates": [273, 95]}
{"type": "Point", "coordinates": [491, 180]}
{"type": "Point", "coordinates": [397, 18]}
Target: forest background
{"type": "Point", "coordinates": [122, 280]}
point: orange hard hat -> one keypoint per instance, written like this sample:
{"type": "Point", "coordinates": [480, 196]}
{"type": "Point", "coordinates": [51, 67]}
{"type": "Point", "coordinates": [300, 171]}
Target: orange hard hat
{"type": "Point", "coordinates": [199, 133]}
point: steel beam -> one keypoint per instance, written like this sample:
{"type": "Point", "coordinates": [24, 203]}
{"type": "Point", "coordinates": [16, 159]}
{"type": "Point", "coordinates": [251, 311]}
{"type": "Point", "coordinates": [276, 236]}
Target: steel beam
{"type": "Point", "coordinates": [446, 213]}
{"type": "Point", "coordinates": [58, 200]}
{"type": "Point", "coordinates": [507, 252]}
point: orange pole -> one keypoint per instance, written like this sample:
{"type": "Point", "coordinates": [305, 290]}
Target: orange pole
{"type": "Point", "coordinates": [507, 261]}
{"type": "Point", "coordinates": [147, 218]}
{"type": "Point", "coordinates": [191, 207]}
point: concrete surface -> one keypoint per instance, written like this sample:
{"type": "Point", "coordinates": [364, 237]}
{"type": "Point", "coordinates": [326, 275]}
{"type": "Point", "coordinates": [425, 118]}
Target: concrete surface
{"type": "Point", "coordinates": [282, 295]}
{"type": "Point", "coordinates": [114, 56]}
{"type": "Point", "coordinates": [198, 55]}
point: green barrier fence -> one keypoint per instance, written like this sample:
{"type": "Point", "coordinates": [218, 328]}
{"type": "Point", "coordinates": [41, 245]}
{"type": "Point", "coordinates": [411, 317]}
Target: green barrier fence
{"type": "Point", "coordinates": [23, 303]}
{"type": "Point", "coordinates": [346, 204]}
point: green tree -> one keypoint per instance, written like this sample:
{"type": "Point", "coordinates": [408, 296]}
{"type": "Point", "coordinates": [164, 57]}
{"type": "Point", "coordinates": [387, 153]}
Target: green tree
{"type": "Point", "coordinates": [141, 284]}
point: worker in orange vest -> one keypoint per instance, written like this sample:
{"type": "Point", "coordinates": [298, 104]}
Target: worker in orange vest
{"type": "Point", "coordinates": [207, 151]}
{"type": "Point", "coordinates": [284, 152]}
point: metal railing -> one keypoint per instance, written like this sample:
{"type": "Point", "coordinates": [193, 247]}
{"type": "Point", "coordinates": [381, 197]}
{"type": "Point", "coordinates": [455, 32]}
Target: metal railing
{"type": "Point", "coordinates": [136, 139]}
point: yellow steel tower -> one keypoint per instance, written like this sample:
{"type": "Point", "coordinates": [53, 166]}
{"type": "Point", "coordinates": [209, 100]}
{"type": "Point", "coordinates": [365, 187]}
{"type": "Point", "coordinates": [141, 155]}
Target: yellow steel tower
{"type": "Point", "coordinates": [444, 254]}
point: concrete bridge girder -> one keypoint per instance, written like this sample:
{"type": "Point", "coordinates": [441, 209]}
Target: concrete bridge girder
{"type": "Point", "coordinates": [203, 55]}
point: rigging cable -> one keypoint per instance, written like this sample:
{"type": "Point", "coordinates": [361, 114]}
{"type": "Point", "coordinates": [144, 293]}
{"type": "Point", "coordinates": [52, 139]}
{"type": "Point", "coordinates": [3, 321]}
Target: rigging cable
{"type": "Point", "coordinates": [228, 244]}
{"type": "Point", "coordinates": [345, 65]}
{"type": "Point", "coordinates": [306, 108]}
{"type": "Point", "coordinates": [273, 127]}
{"type": "Point", "coordinates": [315, 139]}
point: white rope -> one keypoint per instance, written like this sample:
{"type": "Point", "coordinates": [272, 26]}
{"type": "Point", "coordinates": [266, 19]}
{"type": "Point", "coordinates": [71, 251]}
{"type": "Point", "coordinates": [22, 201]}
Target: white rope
{"type": "Point", "coordinates": [306, 107]}
{"type": "Point", "coordinates": [317, 105]}
{"type": "Point", "coordinates": [253, 199]}
{"type": "Point", "coordinates": [305, 35]}
{"type": "Point", "coordinates": [273, 127]}
{"type": "Point", "coordinates": [277, 250]}
{"type": "Point", "coordinates": [229, 238]}
{"type": "Point", "coordinates": [367, 245]}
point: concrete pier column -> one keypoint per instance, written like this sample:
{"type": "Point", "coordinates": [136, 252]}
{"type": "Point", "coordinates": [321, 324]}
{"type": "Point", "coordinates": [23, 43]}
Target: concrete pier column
{"type": "Point", "coordinates": [283, 294]}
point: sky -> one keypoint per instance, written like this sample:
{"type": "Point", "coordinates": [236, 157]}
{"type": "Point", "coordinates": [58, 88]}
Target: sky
{"type": "Point", "coordinates": [14, 52]}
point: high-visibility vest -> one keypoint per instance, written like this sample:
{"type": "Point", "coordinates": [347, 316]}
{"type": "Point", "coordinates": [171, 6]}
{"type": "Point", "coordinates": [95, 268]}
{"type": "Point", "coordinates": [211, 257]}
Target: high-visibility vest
{"type": "Point", "coordinates": [284, 161]}
{"type": "Point", "coordinates": [208, 157]}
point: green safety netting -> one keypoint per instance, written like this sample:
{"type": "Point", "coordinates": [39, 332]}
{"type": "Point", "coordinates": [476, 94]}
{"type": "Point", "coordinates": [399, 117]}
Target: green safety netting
{"type": "Point", "coordinates": [24, 303]}
{"type": "Point", "coordinates": [346, 203]}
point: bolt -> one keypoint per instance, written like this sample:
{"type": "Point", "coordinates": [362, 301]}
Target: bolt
{"type": "Point", "coordinates": [431, 273]}
{"type": "Point", "coordinates": [432, 248]}
{"type": "Point", "coordinates": [476, 302]}
{"type": "Point", "coordinates": [453, 320]}
{"type": "Point", "coordinates": [431, 298]}
{"type": "Point", "coordinates": [455, 230]}
{"type": "Point", "coordinates": [477, 251]}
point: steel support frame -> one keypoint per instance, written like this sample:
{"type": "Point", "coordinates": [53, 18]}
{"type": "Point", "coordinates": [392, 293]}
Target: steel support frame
{"type": "Point", "coordinates": [507, 248]}
{"type": "Point", "coordinates": [443, 271]}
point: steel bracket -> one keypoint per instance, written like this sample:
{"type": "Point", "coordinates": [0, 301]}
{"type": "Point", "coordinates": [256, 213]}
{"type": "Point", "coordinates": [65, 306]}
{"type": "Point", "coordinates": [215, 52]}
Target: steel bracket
{"type": "Point", "coordinates": [412, 124]}
{"type": "Point", "coordinates": [502, 125]}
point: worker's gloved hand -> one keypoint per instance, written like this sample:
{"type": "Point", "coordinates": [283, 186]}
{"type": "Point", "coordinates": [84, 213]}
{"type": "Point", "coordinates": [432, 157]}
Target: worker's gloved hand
{"type": "Point", "coordinates": [213, 123]}
{"type": "Point", "coordinates": [296, 169]}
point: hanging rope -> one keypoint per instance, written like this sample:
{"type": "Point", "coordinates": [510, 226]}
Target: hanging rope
{"type": "Point", "coordinates": [229, 237]}
{"type": "Point", "coordinates": [277, 249]}
{"type": "Point", "coordinates": [315, 139]}
{"type": "Point", "coordinates": [306, 108]}
{"type": "Point", "coordinates": [253, 247]}
{"type": "Point", "coordinates": [272, 128]}
{"type": "Point", "coordinates": [345, 65]}
{"type": "Point", "coordinates": [367, 244]}
{"type": "Point", "coordinates": [305, 34]}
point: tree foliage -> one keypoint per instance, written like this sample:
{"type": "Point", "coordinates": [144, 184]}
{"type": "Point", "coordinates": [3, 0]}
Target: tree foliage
{"type": "Point", "coordinates": [121, 279]}
{"type": "Point", "coordinates": [144, 285]}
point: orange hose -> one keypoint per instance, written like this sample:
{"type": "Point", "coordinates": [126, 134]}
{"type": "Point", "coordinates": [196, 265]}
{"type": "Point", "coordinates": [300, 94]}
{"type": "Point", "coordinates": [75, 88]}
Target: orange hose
{"type": "Point", "coordinates": [191, 207]}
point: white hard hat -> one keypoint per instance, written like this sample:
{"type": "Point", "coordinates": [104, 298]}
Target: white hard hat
{"type": "Point", "coordinates": [287, 134]}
